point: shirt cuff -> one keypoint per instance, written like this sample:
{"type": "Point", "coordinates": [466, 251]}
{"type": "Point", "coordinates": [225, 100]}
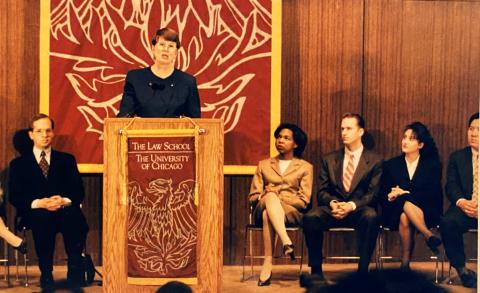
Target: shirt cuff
{"type": "Point", "coordinates": [354, 206]}
{"type": "Point", "coordinates": [460, 199]}
{"type": "Point", "coordinates": [34, 204]}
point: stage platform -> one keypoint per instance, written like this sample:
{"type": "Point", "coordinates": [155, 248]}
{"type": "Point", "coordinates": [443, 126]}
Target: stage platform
{"type": "Point", "coordinates": [284, 278]}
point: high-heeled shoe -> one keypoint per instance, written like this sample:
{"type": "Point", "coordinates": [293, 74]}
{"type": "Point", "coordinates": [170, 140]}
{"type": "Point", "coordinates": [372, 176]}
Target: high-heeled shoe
{"type": "Point", "coordinates": [288, 250]}
{"type": "Point", "coordinates": [22, 248]}
{"type": "Point", "coordinates": [266, 282]}
{"type": "Point", "coordinates": [433, 242]}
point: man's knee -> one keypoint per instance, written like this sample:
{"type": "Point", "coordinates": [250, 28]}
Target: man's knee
{"type": "Point", "coordinates": [369, 215]}
{"type": "Point", "coordinates": [315, 219]}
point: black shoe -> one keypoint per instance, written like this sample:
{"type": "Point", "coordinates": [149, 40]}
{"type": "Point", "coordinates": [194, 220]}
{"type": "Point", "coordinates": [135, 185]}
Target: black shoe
{"type": "Point", "coordinates": [22, 248]}
{"type": "Point", "coordinates": [433, 243]}
{"type": "Point", "coordinates": [312, 281]}
{"type": "Point", "coordinates": [405, 268]}
{"type": "Point", "coordinates": [288, 250]}
{"type": "Point", "coordinates": [266, 282]}
{"type": "Point", "coordinates": [46, 281]}
{"type": "Point", "coordinates": [468, 278]}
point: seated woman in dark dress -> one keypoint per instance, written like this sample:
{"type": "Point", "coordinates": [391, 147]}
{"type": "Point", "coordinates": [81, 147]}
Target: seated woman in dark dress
{"type": "Point", "coordinates": [411, 190]}
{"type": "Point", "coordinates": [281, 188]}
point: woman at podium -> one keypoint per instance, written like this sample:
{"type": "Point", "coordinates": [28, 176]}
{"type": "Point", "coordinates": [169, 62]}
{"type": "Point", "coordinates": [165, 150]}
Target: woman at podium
{"type": "Point", "coordinates": [161, 90]}
{"type": "Point", "coordinates": [280, 191]}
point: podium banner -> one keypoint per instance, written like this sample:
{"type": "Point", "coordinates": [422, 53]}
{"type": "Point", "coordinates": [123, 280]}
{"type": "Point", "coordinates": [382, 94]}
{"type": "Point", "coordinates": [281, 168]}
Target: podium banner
{"type": "Point", "coordinates": [162, 205]}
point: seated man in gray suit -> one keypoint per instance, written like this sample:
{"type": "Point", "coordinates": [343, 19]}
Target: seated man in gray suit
{"type": "Point", "coordinates": [348, 183]}
{"type": "Point", "coordinates": [462, 191]}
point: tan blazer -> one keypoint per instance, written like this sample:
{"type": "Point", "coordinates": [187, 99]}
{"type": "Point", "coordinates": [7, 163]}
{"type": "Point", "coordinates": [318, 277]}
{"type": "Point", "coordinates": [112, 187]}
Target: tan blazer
{"type": "Point", "coordinates": [294, 186]}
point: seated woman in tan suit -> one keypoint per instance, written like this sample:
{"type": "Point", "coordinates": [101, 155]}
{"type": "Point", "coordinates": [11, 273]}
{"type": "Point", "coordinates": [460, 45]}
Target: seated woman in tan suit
{"type": "Point", "coordinates": [281, 189]}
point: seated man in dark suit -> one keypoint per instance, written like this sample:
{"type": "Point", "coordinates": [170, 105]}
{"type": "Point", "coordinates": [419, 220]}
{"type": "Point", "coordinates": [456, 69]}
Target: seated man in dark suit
{"type": "Point", "coordinates": [348, 182]}
{"type": "Point", "coordinates": [462, 191]}
{"type": "Point", "coordinates": [46, 188]}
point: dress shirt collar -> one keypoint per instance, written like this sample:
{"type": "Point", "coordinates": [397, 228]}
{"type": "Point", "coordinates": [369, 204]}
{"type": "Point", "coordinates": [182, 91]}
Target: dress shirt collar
{"type": "Point", "coordinates": [38, 151]}
{"type": "Point", "coordinates": [356, 154]}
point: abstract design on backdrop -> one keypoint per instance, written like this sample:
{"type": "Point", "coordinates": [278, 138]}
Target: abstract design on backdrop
{"type": "Point", "coordinates": [162, 227]}
{"type": "Point", "coordinates": [226, 45]}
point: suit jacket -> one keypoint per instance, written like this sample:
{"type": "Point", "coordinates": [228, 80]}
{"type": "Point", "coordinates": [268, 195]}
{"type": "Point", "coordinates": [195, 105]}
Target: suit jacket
{"type": "Point", "coordinates": [147, 95]}
{"type": "Point", "coordinates": [27, 183]}
{"type": "Point", "coordinates": [294, 186]}
{"type": "Point", "coordinates": [425, 187]}
{"type": "Point", "coordinates": [459, 175]}
{"type": "Point", "coordinates": [365, 181]}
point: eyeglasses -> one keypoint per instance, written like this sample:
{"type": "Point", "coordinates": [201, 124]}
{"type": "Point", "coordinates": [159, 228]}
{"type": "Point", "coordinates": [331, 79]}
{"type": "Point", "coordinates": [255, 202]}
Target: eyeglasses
{"type": "Point", "coordinates": [170, 46]}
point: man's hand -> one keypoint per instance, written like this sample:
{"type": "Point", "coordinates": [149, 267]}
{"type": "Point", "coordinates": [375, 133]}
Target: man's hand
{"type": "Point", "coordinates": [51, 203]}
{"type": "Point", "coordinates": [340, 209]}
{"type": "Point", "coordinates": [469, 207]}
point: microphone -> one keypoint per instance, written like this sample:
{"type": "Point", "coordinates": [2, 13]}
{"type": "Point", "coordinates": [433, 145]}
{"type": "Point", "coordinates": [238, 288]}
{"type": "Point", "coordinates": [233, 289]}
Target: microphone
{"type": "Point", "coordinates": [155, 86]}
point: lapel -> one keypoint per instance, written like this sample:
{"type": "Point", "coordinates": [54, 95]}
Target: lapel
{"type": "Point", "coordinates": [419, 171]}
{"type": "Point", "coordinates": [275, 166]}
{"type": "Point", "coordinates": [294, 165]}
{"type": "Point", "coordinates": [467, 171]}
{"type": "Point", "coordinates": [360, 171]}
{"type": "Point", "coordinates": [35, 166]}
{"type": "Point", "coordinates": [338, 169]}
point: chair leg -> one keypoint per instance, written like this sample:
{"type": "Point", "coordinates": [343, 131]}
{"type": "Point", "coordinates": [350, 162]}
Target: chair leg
{"type": "Point", "coordinates": [245, 243]}
{"type": "Point", "coordinates": [450, 275]}
{"type": "Point", "coordinates": [301, 251]}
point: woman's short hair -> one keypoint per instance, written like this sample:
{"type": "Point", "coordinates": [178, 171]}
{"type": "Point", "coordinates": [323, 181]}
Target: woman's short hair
{"type": "Point", "coordinates": [422, 134]}
{"type": "Point", "coordinates": [299, 137]}
{"type": "Point", "coordinates": [168, 34]}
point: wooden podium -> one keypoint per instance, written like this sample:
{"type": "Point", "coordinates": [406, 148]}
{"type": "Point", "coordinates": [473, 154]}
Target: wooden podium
{"type": "Point", "coordinates": [209, 174]}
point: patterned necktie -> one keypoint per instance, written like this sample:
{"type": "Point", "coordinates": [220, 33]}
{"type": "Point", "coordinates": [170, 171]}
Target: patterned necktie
{"type": "Point", "coordinates": [43, 164]}
{"type": "Point", "coordinates": [475, 179]}
{"type": "Point", "coordinates": [348, 174]}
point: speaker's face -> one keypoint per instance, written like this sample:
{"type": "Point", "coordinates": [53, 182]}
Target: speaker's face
{"type": "Point", "coordinates": [164, 52]}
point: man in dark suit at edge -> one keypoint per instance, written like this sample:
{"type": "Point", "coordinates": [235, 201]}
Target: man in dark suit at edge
{"type": "Point", "coordinates": [462, 191]}
{"type": "Point", "coordinates": [47, 190]}
{"type": "Point", "coordinates": [348, 183]}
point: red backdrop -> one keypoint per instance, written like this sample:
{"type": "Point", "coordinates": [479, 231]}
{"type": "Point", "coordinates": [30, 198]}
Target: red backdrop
{"type": "Point", "coordinates": [226, 45]}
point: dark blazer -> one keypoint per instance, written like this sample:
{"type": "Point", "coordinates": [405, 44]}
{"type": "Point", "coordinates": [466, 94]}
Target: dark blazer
{"type": "Point", "coordinates": [147, 95]}
{"type": "Point", "coordinates": [459, 175]}
{"type": "Point", "coordinates": [27, 182]}
{"type": "Point", "coordinates": [425, 188]}
{"type": "Point", "coordinates": [365, 181]}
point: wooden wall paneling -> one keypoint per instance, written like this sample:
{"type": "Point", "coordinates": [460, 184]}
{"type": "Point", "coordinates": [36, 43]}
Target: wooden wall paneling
{"type": "Point", "coordinates": [422, 63]}
{"type": "Point", "coordinates": [290, 62]}
{"type": "Point", "coordinates": [239, 216]}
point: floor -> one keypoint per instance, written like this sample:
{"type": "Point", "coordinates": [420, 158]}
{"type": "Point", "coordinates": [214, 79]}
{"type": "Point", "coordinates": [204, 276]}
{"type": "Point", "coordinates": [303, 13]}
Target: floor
{"type": "Point", "coordinates": [285, 279]}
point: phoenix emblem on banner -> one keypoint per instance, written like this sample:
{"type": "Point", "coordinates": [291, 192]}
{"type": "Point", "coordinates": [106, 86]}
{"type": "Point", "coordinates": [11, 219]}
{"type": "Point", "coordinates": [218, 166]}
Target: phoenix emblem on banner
{"type": "Point", "coordinates": [162, 224]}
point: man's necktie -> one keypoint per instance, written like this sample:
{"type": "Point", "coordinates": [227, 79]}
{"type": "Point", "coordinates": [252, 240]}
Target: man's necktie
{"type": "Point", "coordinates": [348, 174]}
{"type": "Point", "coordinates": [43, 164]}
{"type": "Point", "coordinates": [475, 179]}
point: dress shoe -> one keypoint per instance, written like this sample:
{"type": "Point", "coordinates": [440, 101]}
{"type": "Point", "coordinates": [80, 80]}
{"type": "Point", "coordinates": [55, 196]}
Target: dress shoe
{"type": "Point", "coordinates": [266, 282]}
{"type": "Point", "coordinates": [313, 281]}
{"type": "Point", "coordinates": [288, 250]}
{"type": "Point", "coordinates": [46, 280]}
{"type": "Point", "coordinates": [405, 268]}
{"type": "Point", "coordinates": [22, 248]}
{"type": "Point", "coordinates": [433, 242]}
{"type": "Point", "coordinates": [468, 278]}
